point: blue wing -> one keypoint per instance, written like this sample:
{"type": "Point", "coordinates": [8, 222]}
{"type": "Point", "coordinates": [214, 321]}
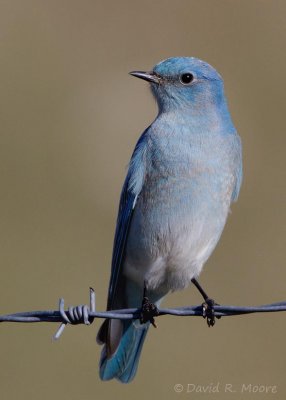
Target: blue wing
{"type": "Point", "coordinates": [123, 339]}
{"type": "Point", "coordinates": [130, 192]}
{"type": "Point", "coordinates": [238, 168]}
{"type": "Point", "coordinates": [126, 207]}
{"type": "Point", "coordinates": [111, 330]}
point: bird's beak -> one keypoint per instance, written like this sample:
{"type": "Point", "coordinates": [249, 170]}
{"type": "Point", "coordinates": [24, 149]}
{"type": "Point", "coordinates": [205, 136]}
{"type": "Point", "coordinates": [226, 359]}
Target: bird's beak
{"type": "Point", "coordinates": [147, 76]}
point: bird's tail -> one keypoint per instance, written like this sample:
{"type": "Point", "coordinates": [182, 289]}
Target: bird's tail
{"type": "Point", "coordinates": [123, 363]}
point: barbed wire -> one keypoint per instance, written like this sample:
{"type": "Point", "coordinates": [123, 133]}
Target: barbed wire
{"type": "Point", "coordinates": [84, 314]}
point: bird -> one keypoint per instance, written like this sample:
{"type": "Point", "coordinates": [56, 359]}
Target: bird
{"type": "Point", "coordinates": [184, 173]}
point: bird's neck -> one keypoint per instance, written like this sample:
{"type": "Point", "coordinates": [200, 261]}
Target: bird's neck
{"type": "Point", "coordinates": [198, 119]}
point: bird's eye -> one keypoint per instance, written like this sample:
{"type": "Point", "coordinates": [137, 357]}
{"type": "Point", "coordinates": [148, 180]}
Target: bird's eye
{"type": "Point", "coordinates": [186, 78]}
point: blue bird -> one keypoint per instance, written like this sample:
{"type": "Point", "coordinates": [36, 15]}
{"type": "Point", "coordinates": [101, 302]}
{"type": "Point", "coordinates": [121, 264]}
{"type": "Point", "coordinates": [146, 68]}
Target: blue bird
{"type": "Point", "coordinates": [184, 173]}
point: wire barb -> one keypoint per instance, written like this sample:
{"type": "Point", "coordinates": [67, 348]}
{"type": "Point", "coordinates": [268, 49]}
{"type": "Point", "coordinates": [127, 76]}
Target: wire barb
{"type": "Point", "coordinates": [76, 315]}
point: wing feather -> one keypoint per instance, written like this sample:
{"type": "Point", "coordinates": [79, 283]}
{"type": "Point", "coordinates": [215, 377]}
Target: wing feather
{"type": "Point", "coordinates": [131, 189]}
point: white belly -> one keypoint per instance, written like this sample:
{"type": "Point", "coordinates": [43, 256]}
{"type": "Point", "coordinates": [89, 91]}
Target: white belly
{"type": "Point", "coordinates": [169, 256]}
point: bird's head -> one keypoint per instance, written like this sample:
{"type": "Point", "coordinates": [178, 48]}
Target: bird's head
{"type": "Point", "coordinates": [184, 82]}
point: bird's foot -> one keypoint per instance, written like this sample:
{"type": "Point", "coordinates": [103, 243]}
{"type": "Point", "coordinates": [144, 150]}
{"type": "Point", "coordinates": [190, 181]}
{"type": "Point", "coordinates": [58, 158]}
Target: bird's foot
{"type": "Point", "coordinates": [208, 311]}
{"type": "Point", "coordinates": [148, 312]}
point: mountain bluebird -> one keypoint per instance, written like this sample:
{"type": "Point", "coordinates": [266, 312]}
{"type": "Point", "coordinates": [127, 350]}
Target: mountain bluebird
{"type": "Point", "coordinates": [184, 173]}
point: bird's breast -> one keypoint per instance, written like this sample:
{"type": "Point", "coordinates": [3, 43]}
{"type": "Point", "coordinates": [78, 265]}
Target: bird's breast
{"type": "Point", "coordinates": [179, 214]}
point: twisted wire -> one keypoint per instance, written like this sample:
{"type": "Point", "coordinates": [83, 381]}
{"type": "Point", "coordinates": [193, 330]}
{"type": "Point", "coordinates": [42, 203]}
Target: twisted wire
{"type": "Point", "coordinates": [84, 314]}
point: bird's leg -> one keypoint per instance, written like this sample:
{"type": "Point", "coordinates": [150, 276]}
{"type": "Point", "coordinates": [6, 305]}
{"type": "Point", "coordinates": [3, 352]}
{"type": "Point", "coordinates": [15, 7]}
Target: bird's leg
{"type": "Point", "coordinates": [208, 305]}
{"type": "Point", "coordinates": [148, 309]}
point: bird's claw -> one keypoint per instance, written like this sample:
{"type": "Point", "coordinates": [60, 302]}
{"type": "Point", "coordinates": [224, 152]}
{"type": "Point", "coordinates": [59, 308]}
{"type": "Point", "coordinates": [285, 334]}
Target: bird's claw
{"type": "Point", "coordinates": [208, 311]}
{"type": "Point", "coordinates": [148, 312]}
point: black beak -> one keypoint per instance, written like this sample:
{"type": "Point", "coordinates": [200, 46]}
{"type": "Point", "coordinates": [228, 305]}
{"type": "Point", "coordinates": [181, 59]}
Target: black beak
{"type": "Point", "coordinates": [147, 76]}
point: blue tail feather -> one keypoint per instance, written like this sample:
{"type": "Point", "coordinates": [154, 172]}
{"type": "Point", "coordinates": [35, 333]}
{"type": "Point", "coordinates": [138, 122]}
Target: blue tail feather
{"type": "Point", "coordinates": [124, 362]}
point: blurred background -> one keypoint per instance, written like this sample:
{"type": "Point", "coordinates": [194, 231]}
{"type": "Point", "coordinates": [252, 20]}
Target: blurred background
{"type": "Point", "coordinates": [70, 116]}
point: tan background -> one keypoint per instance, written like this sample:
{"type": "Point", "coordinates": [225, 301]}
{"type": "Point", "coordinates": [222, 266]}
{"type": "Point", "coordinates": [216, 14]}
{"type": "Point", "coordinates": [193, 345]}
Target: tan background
{"type": "Point", "coordinates": [70, 117]}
